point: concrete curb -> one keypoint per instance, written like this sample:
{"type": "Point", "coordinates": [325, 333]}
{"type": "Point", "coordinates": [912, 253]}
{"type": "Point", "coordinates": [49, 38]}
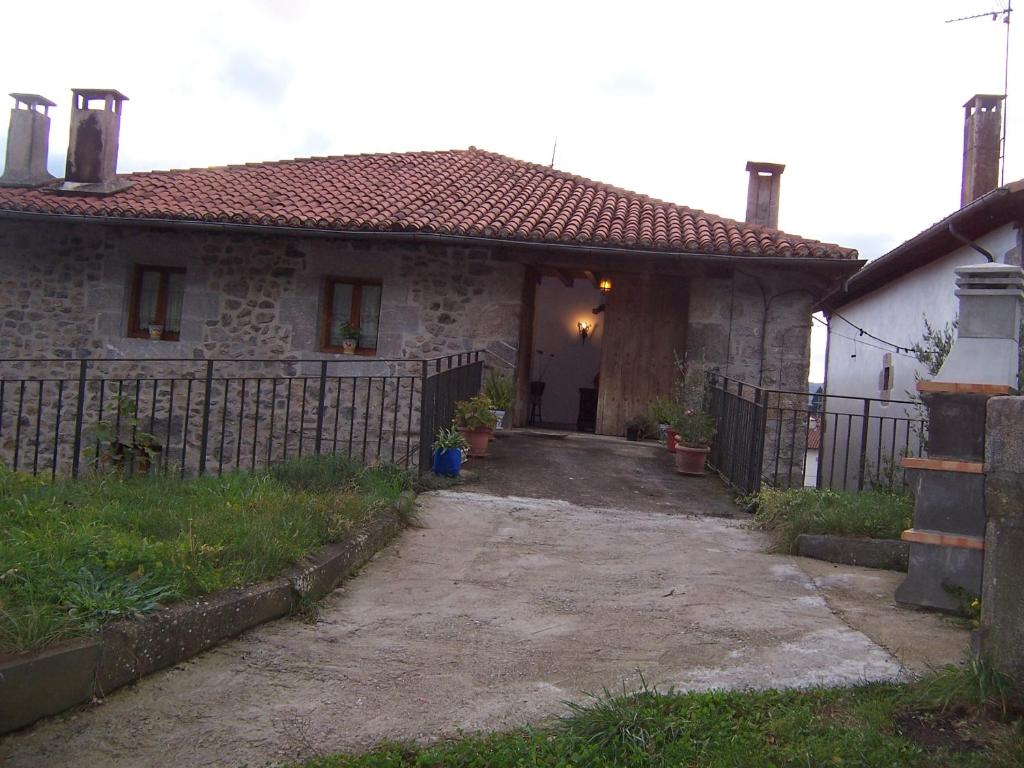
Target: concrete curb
{"type": "Point", "coordinates": [888, 554]}
{"type": "Point", "coordinates": [55, 679]}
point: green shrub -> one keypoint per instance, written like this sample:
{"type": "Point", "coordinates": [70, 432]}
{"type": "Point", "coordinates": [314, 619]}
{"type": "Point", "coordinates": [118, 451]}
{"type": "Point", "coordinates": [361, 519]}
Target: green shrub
{"type": "Point", "coordinates": [500, 390]}
{"type": "Point", "coordinates": [872, 514]}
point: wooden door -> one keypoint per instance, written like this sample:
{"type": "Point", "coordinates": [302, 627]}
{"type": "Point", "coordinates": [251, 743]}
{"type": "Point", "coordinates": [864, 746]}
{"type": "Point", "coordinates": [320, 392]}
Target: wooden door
{"type": "Point", "coordinates": [645, 324]}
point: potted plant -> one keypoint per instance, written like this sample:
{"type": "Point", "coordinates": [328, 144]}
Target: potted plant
{"type": "Point", "coordinates": [499, 388]}
{"type": "Point", "coordinates": [665, 410]}
{"type": "Point", "coordinates": [156, 332]}
{"type": "Point", "coordinates": [695, 429]}
{"type": "Point", "coordinates": [473, 418]}
{"type": "Point", "coordinates": [639, 427]}
{"type": "Point", "coordinates": [448, 449]}
{"type": "Point", "coordinates": [349, 338]}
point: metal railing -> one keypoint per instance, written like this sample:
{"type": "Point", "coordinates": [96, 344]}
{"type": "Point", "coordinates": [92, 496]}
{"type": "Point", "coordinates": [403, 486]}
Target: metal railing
{"type": "Point", "coordinates": [786, 438]}
{"type": "Point", "coordinates": [62, 416]}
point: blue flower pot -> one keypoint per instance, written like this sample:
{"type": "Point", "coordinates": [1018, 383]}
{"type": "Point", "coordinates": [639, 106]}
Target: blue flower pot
{"type": "Point", "coordinates": [447, 462]}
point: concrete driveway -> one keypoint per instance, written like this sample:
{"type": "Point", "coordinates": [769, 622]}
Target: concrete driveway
{"type": "Point", "coordinates": [493, 613]}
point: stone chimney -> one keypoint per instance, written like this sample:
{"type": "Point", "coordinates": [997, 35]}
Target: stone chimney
{"type": "Point", "coordinates": [92, 147]}
{"type": "Point", "coordinates": [763, 194]}
{"type": "Point", "coordinates": [28, 141]}
{"type": "Point", "coordinates": [983, 117]}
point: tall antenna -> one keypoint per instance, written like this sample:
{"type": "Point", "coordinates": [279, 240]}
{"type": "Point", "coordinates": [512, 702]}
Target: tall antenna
{"type": "Point", "coordinates": [553, 150]}
{"type": "Point", "coordinates": [994, 15]}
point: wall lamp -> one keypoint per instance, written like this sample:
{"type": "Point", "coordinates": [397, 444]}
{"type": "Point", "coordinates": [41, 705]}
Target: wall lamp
{"type": "Point", "coordinates": [604, 285]}
{"type": "Point", "coordinates": [585, 328]}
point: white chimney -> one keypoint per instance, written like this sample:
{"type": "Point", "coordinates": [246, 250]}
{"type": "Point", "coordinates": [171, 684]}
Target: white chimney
{"type": "Point", "coordinates": [28, 141]}
{"type": "Point", "coordinates": [92, 147]}
{"type": "Point", "coordinates": [763, 193]}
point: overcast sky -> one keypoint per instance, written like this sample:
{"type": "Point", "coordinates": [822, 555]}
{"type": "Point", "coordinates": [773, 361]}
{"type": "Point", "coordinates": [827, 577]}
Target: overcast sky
{"type": "Point", "coordinates": [861, 100]}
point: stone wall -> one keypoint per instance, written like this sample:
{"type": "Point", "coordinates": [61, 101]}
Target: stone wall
{"type": "Point", "coordinates": [1002, 601]}
{"type": "Point", "coordinates": [754, 326]}
{"type": "Point", "coordinates": [64, 292]}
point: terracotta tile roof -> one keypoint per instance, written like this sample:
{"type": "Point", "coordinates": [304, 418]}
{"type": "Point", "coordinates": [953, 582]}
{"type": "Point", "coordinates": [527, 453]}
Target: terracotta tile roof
{"type": "Point", "coordinates": [460, 192]}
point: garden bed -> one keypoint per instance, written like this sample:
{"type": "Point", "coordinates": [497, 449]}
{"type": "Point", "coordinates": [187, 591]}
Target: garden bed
{"type": "Point", "coordinates": [786, 514]}
{"type": "Point", "coordinates": [89, 567]}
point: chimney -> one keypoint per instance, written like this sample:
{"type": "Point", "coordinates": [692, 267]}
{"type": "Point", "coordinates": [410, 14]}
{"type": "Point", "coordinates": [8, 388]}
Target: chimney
{"type": "Point", "coordinates": [92, 147]}
{"type": "Point", "coordinates": [982, 128]}
{"type": "Point", "coordinates": [763, 194]}
{"type": "Point", "coordinates": [28, 140]}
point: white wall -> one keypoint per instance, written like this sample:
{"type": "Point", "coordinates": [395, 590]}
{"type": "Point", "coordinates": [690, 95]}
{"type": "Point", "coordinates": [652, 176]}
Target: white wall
{"type": "Point", "coordinates": [896, 313]}
{"type": "Point", "coordinates": [574, 364]}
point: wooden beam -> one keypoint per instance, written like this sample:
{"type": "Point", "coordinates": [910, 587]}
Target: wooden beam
{"type": "Point", "coordinates": [565, 276]}
{"type": "Point", "coordinates": [939, 539]}
{"type": "Point", "coordinates": [943, 465]}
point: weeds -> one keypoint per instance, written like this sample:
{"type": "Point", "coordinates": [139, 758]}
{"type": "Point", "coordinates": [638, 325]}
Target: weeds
{"type": "Point", "coordinates": [725, 729]}
{"type": "Point", "coordinates": [872, 514]}
{"type": "Point", "coordinates": [75, 555]}
{"type": "Point", "coordinates": [976, 688]}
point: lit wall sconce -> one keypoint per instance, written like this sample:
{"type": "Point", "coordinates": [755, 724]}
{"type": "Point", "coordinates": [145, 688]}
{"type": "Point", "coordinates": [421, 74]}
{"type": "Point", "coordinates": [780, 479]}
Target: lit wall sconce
{"type": "Point", "coordinates": [605, 285]}
{"type": "Point", "coordinates": [585, 329]}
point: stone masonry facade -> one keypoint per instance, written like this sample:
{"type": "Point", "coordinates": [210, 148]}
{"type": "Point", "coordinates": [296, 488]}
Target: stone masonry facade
{"type": "Point", "coordinates": [64, 290]}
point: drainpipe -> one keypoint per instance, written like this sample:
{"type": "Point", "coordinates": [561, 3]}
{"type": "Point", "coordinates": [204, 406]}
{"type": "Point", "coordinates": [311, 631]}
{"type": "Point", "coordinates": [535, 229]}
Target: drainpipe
{"type": "Point", "coordinates": [969, 242]}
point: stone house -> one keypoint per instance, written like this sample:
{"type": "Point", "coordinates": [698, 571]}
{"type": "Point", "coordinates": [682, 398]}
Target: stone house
{"type": "Point", "coordinates": [423, 253]}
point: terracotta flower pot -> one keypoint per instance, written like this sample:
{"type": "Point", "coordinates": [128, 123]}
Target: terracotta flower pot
{"type": "Point", "coordinates": [478, 440]}
{"type": "Point", "coordinates": [690, 461]}
{"type": "Point", "coordinates": [670, 440]}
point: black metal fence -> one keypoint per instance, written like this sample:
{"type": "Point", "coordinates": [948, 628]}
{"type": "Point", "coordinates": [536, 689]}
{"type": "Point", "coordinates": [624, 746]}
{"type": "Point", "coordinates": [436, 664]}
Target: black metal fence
{"type": "Point", "coordinates": [62, 417]}
{"type": "Point", "coordinates": [791, 439]}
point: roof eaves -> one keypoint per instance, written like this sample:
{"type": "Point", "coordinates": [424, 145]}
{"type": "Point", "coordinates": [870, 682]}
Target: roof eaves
{"type": "Point", "coordinates": [928, 245]}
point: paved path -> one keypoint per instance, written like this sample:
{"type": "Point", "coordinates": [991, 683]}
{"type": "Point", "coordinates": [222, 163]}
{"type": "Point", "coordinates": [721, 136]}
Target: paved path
{"type": "Point", "coordinates": [490, 616]}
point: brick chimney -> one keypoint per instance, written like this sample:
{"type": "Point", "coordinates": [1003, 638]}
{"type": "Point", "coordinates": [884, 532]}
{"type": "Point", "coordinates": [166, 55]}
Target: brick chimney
{"type": "Point", "coordinates": [763, 194]}
{"type": "Point", "coordinates": [983, 117]}
{"type": "Point", "coordinates": [28, 141]}
{"type": "Point", "coordinates": [92, 147]}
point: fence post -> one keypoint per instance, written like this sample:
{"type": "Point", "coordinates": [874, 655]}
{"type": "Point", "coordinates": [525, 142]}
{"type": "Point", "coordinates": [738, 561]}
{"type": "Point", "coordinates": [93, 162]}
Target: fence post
{"type": "Point", "coordinates": [204, 440]}
{"type": "Point", "coordinates": [320, 407]}
{"type": "Point", "coordinates": [426, 426]}
{"type": "Point", "coordinates": [79, 417]}
{"type": "Point", "coordinates": [864, 445]}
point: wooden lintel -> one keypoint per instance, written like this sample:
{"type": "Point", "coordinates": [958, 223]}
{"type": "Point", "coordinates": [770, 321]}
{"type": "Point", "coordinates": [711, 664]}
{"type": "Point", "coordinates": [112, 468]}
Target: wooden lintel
{"type": "Point", "coordinates": [943, 465]}
{"type": "Point", "coordinates": [963, 389]}
{"type": "Point", "coordinates": [939, 539]}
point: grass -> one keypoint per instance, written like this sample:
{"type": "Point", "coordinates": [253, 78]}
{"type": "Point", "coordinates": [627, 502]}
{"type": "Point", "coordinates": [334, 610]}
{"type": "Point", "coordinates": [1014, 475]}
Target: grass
{"type": "Point", "coordinates": [872, 514]}
{"type": "Point", "coordinates": [75, 555]}
{"type": "Point", "coordinates": [873, 725]}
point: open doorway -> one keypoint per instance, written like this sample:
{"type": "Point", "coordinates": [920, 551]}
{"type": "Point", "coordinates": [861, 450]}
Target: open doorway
{"type": "Point", "coordinates": [565, 364]}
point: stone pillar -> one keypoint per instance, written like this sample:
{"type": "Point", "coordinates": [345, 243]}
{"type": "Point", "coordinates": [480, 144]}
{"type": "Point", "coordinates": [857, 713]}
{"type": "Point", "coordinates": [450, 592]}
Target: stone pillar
{"type": "Point", "coordinates": [1002, 602]}
{"type": "Point", "coordinates": [947, 541]}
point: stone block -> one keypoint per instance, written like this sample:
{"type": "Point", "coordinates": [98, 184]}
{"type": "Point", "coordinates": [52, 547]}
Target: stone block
{"type": "Point", "coordinates": [46, 683]}
{"type": "Point", "coordinates": [1004, 447]}
{"type": "Point", "coordinates": [950, 502]}
{"type": "Point", "coordinates": [956, 425]}
{"type": "Point", "coordinates": [1002, 619]}
{"type": "Point", "coordinates": [889, 554]}
{"type": "Point", "coordinates": [931, 569]}
{"type": "Point", "coordinates": [146, 644]}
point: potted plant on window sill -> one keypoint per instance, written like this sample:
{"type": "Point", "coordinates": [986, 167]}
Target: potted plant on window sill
{"type": "Point", "coordinates": [695, 430]}
{"type": "Point", "coordinates": [156, 332]}
{"type": "Point", "coordinates": [349, 338]}
{"type": "Point", "coordinates": [448, 449]}
{"type": "Point", "coordinates": [474, 420]}
{"type": "Point", "coordinates": [499, 389]}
